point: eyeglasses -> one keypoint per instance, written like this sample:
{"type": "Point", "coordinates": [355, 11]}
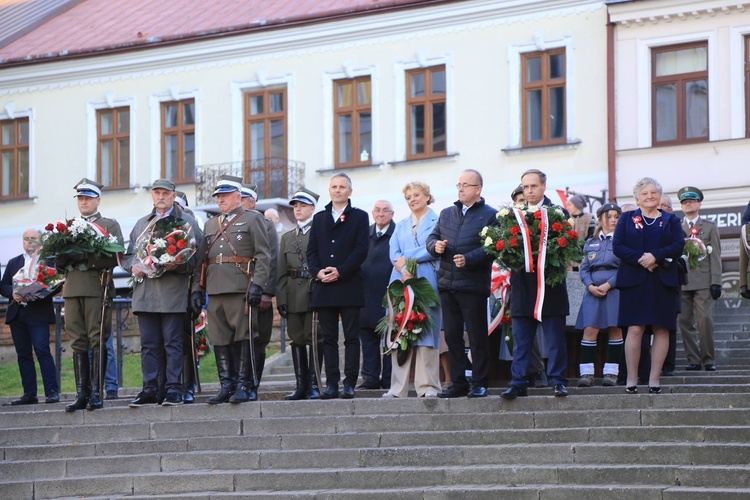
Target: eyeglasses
{"type": "Point", "coordinates": [383, 211]}
{"type": "Point", "coordinates": [464, 185]}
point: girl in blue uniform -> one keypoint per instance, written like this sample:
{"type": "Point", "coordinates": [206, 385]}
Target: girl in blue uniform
{"type": "Point", "coordinates": [599, 309]}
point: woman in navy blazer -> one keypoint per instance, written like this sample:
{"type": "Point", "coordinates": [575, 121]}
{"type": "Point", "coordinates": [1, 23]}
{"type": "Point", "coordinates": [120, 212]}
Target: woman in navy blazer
{"type": "Point", "coordinates": [648, 242]}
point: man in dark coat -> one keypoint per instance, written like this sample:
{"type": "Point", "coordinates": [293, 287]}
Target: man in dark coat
{"type": "Point", "coordinates": [376, 272]}
{"type": "Point", "coordinates": [523, 294]}
{"type": "Point", "coordinates": [464, 283]}
{"type": "Point", "coordinates": [335, 253]}
{"type": "Point", "coordinates": [29, 322]}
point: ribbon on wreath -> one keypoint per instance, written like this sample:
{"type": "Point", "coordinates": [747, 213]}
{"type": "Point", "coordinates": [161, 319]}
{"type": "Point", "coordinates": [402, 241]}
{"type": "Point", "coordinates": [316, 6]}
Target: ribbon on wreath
{"type": "Point", "coordinates": [499, 287]}
{"type": "Point", "coordinates": [101, 232]}
{"type": "Point", "coordinates": [528, 257]}
{"type": "Point", "coordinates": [408, 305]}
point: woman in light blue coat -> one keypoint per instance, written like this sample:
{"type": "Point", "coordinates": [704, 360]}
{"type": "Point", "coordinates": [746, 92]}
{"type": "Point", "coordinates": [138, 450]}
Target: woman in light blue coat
{"type": "Point", "coordinates": [408, 241]}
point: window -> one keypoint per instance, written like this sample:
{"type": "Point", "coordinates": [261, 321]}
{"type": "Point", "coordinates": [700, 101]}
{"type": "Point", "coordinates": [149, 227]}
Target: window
{"type": "Point", "coordinates": [679, 76]}
{"type": "Point", "coordinates": [14, 151]}
{"type": "Point", "coordinates": [426, 113]}
{"type": "Point", "coordinates": [353, 122]}
{"type": "Point", "coordinates": [747, 86]}
{"type": "Point", "coordinates": [178, 140]}
{"type": "Point", "coordinates": [543, 98]}
{"type": "Point", "coordinates": [113, 147]}
{"type": "Point", "coordinates": [266, 141]}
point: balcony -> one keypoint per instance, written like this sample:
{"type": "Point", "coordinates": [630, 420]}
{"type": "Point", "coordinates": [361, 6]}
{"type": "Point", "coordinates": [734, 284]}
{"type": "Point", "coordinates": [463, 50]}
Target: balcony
{"type": "Point", "coordinates": [276, 178]}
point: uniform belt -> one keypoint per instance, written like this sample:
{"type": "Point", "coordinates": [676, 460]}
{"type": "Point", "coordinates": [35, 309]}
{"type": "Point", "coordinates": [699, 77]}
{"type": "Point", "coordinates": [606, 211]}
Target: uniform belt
{"type": "Point", "coordinates": [299, 273]}
{"type": "Point", "coordinates": [602, 268]}
{"type": "Point", "coordinates": [223, 259]}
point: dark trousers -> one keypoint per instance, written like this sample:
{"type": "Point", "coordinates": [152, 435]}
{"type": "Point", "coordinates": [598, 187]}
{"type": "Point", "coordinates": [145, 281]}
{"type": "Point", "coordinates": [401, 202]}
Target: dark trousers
{"type": "Point", "coordinates": [161, 334]}
{"type": "Point", "coordinates": [328, 318]}
{"type": "Point", "coordinates": [31, 335]}
{"type": "Point", "coordinates": [373, 359]}
{"type": "Point", "coordinates": [524, 330]}
{"type": "Point", "coordinates": [459, 309]}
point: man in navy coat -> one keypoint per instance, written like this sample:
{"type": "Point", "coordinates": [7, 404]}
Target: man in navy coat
{"type": "Point", "coordinates": [337, 248]}
{"type": "Point", "coordinates": [29, 326]}
{"type": "Point", "coordinates": [523, 294]}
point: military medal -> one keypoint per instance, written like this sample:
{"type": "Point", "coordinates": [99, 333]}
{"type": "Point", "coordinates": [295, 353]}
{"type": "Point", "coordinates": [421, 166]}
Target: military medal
{"type": "Point", "coordinates": [239, 237]}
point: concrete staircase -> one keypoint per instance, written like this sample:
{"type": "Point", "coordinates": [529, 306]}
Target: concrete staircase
{"type": "Point", "coordinates": [692, 441]}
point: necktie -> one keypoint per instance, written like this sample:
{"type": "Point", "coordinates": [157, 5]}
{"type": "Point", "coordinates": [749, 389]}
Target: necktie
{"type": "Point", "coordinates": [464, 209]}
{"type": "Point", "coordinates": [691, 224]}
{"type": "Point", "coordinates": [379, 234]}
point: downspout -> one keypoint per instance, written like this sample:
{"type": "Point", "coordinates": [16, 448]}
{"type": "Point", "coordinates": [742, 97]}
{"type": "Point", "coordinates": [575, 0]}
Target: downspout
{"type": "Point", "coordinates": [611, 152]}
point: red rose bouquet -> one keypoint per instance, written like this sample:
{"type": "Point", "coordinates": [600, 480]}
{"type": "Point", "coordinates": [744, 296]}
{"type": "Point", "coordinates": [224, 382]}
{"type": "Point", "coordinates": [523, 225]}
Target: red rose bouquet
{"type": "Point", "coordinates": [165, 241]}
{"type": "Point", "coordinates": [408, 303]}
{"type": "Point", "coordinates": [695, 249]}
{"type": "Point", "coordinates": [71, 242]}
{"type": "Point", "coordinates": [37, 280]}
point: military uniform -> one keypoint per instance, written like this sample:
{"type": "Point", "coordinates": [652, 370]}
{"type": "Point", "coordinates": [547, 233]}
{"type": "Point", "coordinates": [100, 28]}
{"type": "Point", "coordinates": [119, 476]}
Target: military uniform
{"type": "Point", "coordinates": [294, 284]}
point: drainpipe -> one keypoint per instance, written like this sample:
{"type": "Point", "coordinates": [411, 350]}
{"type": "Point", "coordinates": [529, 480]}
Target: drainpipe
{"type": "Point", "coordinates": [611, 152]}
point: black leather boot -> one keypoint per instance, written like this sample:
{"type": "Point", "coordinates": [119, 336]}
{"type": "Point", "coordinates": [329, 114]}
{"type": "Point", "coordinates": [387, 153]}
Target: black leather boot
{"type": "Point", "coordinates": [313, 390]}
{"type": "Point", "coordinates": [188, 379]}
{"type": "Point", "coordinates": [301, 373]}
{"type": "Point", "coordinates": [223, 355]}
{"type": "Point", "coordinates": [260, 361]}
{"type": "Point", "coordinates": [81, 371]}
{"type": "Point", "coordinates": [246, 390]}
{"type": "Point", "coordinates": [98, 368]}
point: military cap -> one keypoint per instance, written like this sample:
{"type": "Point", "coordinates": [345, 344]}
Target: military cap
{"type": "Point", "coordinates": [163, 184]}
{"type": "Point", "coordinates": [516, 192]}
{"type": "Point", "coordinates": [228, 184]}
{"type": "Point", "coordinates": [181, 198]}
{"type": "Point", "coordinates": [305, 196]}
{"type": "Point", "coordinates": [606, 208]}
{"type": "Point", "coordinates": [690, 193]}
{"type": "Point", "coordinates": [87, 187]}
{"type": "Point", "coordinates": [249, 191]}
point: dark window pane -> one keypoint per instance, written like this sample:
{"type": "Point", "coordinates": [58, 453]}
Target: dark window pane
{"type": "Point", "coordinates": [123, 121]}
{"type": "Point", "coordinates": [258, 177]}
{"type": "Point", "coordinates": [105, 122]}
{"type": "Point", "coordinates": [276, 188]}
{"type": "Point", "coordinates": [170, 115]}
{"type": "Point", "coordinates": [123, 167]}
{"type": "Point", "coordinates": [557, 65]}
{"type": "Point", "coordinates": [23, 132]}
{"type": "Point", "coordinates": [696, 109]}
{"type": "Point", "coordinates": [533, 69]}
{"type": "Point", "coordinates": [188, 110]}
{"type": "Point", "coordinates": [364, 92]}
{"type": "Point", "coordinates": [277, 139]}
{"type": "Point", "coordinates": [170, 157]}
{"type": "Point", "coordinates": [438, 127]}
{"type": "Point", "coordinates": [8, 174]}
{"type": "Point", "coordinates": [344, 94]}
{"type": "Point", "coordinates": [534, 115]}
{"type": "Point", "coordinates": [188, 158]}
{"type": "Point", "coordinates": [277, 102]}
{"type": "Point", "coordinates": [666, 112]}
{"type": "Point", "coordinates": [257, 137]}
{"type": "Point", "coordinates": [416, 85]}
{"type": "Point", "coordinates": [557, 112]}
{"type": "Point", "coordinates": [8, 134]}
{"type": "Point", "coordinates": [365, 136]}
{"type": "Point", "coordinates": [417, 130]}
{"type": "Point", "coordinates": [256, 105]}
{"type": "Point", "coordinates": [23, 172]}
{"type": "Point", "coordinates": [438, 82]}
{"type": "Point", "coordinates": [106, 163]}
{"type": "Point", "coordinates": [345, 139]}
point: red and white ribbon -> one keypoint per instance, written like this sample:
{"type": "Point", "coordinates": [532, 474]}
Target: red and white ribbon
{"type": "Point", "coordinates": [540, 264]}
{"type": "Point", "coordinates": [528, 257]}
{"type": "Point", "coordinates": [408, 305]}
{"type": "Point", "coordinates": [100, 231]}
{"type": "Point", "coordinates": [499, 288]}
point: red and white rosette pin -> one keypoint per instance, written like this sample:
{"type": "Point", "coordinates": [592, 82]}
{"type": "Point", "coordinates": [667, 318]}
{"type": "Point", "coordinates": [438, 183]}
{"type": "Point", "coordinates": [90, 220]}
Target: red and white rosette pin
{"type": "Point", "coordinates": [638, 222]}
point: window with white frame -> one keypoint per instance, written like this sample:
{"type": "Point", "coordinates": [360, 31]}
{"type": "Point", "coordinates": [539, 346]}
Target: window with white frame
{"type": "Point", "coordinates": [426, 113]}
{"type": "Point", "coordinates": [14, 157]}
{"type": "Point", "coordinates": [113, 147]}
{"type": "Point", "coordinates": [352, 108]}
{"type": "Point", "coordinates": [543, 97]}
{"type": "Point", "coordinates": [178, 140]}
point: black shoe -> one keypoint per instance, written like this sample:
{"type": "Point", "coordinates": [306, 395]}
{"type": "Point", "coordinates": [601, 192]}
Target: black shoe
{"type": "Point", "coordinates": [710, 368]}
{"type": "Point", "coordinates": [654, 390]}
{"type": "Point", "coordinates": [111, 394]}
{"type": "Point", "coordinates": [369, 385]}
{"type": "Point", "coordinates": [560, 391]}
{"type": "Point", "coordinates": [252, 394]}
{"type": "Point", "coordinates": [26, 399]}
{"type": "Point", "coordinates": [477, 392]}
{"type": "Point", "coordinates": [52, 397]}
{"type": "Point", "coordinates": [348, 392]}
{"type": "Point", "coordinates": [173, 399]}
{"type": "Point", "coordinates": [453, 392]}
{"type": "Point", "coordinates": [693, 368]}
{"type": "Point", "coordinates": [144, 399]}
{"type": "Point", "coordinates": [95, 402]}
{"type": "Point", "coordinates": [79, 404]}
{"type": "Point", "coordinates": [514, 392]}
{"type": "Point", "coordinates": [631, 390]}
{"type": "Point", "coordinates": [240, 396]}
{"type": "Point", "coordinates": [331, 392]}
{"type": "Point", "coordinates": [188, 398]}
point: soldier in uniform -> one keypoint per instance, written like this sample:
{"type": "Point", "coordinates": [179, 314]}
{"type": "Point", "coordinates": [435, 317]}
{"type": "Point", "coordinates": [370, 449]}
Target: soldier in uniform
{"type": "Point", "coordinates": [263, 318]}
{"type": "Point", "coordinates": [160, 303]}
{"type": "Point", "coordinates": [293, 298]}
{"type": "Point", "coordinates": [234, 256]}
{"type": "Point", "coordinates": [704, 285]}
{"type": "Point", "coordinates": [83, 294]}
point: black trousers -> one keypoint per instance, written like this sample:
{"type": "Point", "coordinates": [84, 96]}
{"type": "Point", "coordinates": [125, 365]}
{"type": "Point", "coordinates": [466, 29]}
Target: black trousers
{"type": "Point", "coordinates": [328, 318]}
{"type": "Point", "coordinates": [470, 310]}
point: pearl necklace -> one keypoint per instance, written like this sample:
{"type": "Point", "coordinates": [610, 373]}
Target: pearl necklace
{"type": "Point", "coordinates": [650, 223]}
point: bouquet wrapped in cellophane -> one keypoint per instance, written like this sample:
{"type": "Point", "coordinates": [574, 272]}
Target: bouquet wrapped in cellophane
{"type": "Point", "coordinates": [37, 280]}
{"type": "Point", "coordinates": [71, 242]}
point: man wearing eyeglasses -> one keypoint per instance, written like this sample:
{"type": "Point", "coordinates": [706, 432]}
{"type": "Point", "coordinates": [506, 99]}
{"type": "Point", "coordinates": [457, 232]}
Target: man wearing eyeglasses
{"type": "Point", "coordinates": [464, 283]}
{"type": "Point", "coordinates": [29, 322]}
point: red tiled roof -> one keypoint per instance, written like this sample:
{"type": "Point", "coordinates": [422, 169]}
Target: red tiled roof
{"type": "Point", "coordinates": [100, 26]}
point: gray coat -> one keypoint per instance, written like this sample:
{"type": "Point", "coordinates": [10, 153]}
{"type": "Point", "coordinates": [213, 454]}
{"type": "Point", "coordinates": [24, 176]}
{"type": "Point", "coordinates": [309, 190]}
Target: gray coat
{"type": "Point", "coordinates": [169, 292]}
